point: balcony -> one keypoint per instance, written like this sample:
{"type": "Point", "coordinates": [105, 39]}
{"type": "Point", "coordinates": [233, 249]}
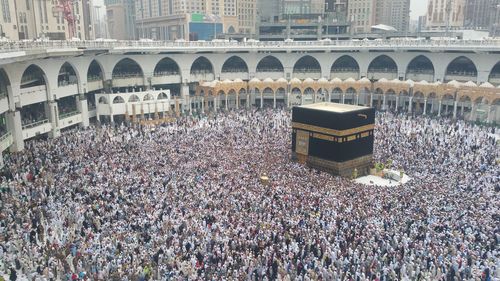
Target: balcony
{"type": "Point", "coordinates": [303, 74]}
{"type": "Point", "coordinates": [70, 119]}
{"type": "Point", "coordinates": [6, 141]}
{"type": "Point", "coordinates": [36, 128]}
{"type": "Point", "coordinates": [460, 76]}
{"type": "Point", "coordinates": [378, 74]}
{"type": "Point", "coordinates": [202, 76]}
{"type": "Point", "coordinates": [166, 78]}
{"type": "Point", "coordinates": [270, 73]}
{"type": "Point", "coordinates": [66, 90]}
{"type": "Point", "coordinates": [234, 75]}
{"type": "Point", "coordinates": [33, 95]}
{"type": "Point", "coordinates": [127, 80]}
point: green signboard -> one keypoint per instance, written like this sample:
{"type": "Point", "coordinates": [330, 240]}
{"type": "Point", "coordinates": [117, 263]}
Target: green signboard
{"type": "Point", "coordinates": [197, 17]}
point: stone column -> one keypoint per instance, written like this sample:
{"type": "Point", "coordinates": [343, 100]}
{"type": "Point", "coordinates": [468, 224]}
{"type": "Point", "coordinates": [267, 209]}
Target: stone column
{"type": "Point", "coordinates": [488, 119]}
{"type": "Point", "coordinates": [261, 99]}
{"type": "Point", "coordinates": [397, 103]}
{"type": "Point", "coordinates": [410, 104]}
{"type": "Point", "coordinates": [15, 126]}
{"type": "Point", "coordinates": [371, 99]}
{"type": "Point", "coordinates": [343, 97]}
{"type": "Point", "coordinates": [83, 108]}
{"type": "Point", "coordinates": [455, 105]}
{"type": "Point", "coordinates": [237, 101]}
{"type": "Point", "coordinates": [53, 112]}
{"type": "Point", "coordinates": [472, 112]}
{"type": "Point", "coordinates": [384, 102]}
{"type": "Point", "coordinates": [440, 105]}
{"type": "Point", "coordinates": [247, 103]}
{"type": "Point", "coordinates": [226, 100]}
{"type": "Point", "coordinates": [184, 96]}
{"type": "Point", "coordinates": [288, 99]}
{"type": "Point", "coordinates": [357, 98]}
{"type": "Point", "coordinates": [425, 106]}
{"type": "Point", "coordinates": [274, 100]}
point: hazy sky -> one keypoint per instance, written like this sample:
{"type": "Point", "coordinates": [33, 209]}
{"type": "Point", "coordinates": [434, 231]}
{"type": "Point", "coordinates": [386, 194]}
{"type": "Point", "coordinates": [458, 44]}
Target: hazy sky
{"type": "Point", "coordinates": [418, 8]}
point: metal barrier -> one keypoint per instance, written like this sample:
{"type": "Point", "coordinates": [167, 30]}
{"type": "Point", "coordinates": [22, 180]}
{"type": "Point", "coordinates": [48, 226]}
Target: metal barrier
{"type": "Point", "coordinates": [13, 46]}
{"type": "Point", "coordinates": [35, 124]}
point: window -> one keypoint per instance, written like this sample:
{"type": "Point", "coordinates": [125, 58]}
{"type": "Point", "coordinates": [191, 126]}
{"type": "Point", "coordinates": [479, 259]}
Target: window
{"type": "Point", "coordinates": [6, 11]}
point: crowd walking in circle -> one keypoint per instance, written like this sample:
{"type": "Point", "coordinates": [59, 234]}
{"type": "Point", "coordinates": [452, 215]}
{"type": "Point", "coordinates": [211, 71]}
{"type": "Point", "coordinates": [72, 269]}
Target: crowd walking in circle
{"type": "Point", "coordinates": [183, 201]}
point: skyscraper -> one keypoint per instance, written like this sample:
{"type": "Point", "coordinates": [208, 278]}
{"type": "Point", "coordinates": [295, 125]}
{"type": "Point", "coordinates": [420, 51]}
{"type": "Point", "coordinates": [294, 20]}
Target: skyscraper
{"type": "Point", "coordinates": [40, 18]}
{"type": "Point", "coordinates": [360, 13]}
{"type": "Point", "coordinates": [175, 19]}
{"type": "Point", "coordinates": [479, 13]}
{"type": "Point", "coordinates": [395, 13]}
{"type": "Point", "coordinates": [443, 14]}
{"type": "Point", "coordinates": [120, 15]}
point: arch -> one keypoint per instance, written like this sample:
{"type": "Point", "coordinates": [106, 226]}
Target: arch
{"type": "Point", "coordinates": [461, 69]}
{"type": "Point", "coordinates": [67, 75]}
{"type": "Point", "coordinates": [148, 97]}
{"type": "Point", "coordinates": [345, 64]}
{"type": "Point", "coordinates": [118, 99]}
{"type": "Point", "coordinates": [494, 77]}
{"type": "Point", "coordinates": [166, 66]}
{"type": "Point", "coordinates": [103, 100]}
{"type": "Point", "coordinates": [296, 92]}
{"type": "Point", "coordinates": [270, 64]}
{"type": "Point", "coordinates": [234, 64]}
{"type": "Point", "coordinates": [420, 68]}
{"type": "Point", "coordinates": [201, 65]}
{"type": "Point", "coordinates": [133, 98]}
{"type": "Point", "coordinates": [162, 96]}
{"type": "Point", "coordinates": [307, 64]}
{"type": "Point", "coordinates": [95, 72]}
{"type": "Point", "coordinates": [33, 76]}
{"type": "Point", "coordinates": [309, 91]}
{"type": "Point", "coordinates": [382, 66]}
{"type": "Point", "coordinates": [231, 29]}
{"type": "Point", "coordinates": [127, 68]}
{"type": "Point", "coordinates": [242, 91]}
{"type": "Point", "coordinates": [268, 91]}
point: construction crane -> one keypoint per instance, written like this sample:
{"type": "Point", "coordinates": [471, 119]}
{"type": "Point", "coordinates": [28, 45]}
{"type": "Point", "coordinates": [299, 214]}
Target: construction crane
{"type": "Point", "coordinates": [66, 6]}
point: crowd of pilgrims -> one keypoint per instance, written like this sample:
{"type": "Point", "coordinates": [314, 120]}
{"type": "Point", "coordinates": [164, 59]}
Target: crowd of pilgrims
{"type": "Point", "coordinates": [183, 201]}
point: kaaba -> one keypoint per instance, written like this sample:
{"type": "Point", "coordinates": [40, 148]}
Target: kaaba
{"type": "Point", "coordinates": [333, 137]}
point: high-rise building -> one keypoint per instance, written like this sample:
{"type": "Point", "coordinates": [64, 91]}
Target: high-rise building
{"type": "Point", "coordinates": [120, 15]}
{"type": "Point", "coordinates": [247, 16]}
{"type": "Point", "coordinates": [395, 13]}
{"type": "Point", "coordinates": [479, 13]}
{"type": "Point", "coordinates": [360, 13]}
{"type": "Point", "coordinates": [8, 19]}
{"type": "Point", "coordinates": [32, 19]}
{"type": "Point", "coordinates": [268, 11]}
{"type": "Point", "coordinates": [194, 19]}
{"type": "Point", "coordinates": [445, 14]}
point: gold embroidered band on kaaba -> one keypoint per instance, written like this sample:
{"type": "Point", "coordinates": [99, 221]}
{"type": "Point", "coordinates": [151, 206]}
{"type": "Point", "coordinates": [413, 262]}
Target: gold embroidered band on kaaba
{"type": "Point", "coordinates": [337, 133]}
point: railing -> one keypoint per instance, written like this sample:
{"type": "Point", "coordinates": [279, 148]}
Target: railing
{"type": "Point", "coordinates": [5, 136]}
{"type": "Point", "coordinates": [68, 114]}
{"type": "Point", "coordinates": [11, 46]}
{"type": "Point", "coordinates": [35, 124]}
